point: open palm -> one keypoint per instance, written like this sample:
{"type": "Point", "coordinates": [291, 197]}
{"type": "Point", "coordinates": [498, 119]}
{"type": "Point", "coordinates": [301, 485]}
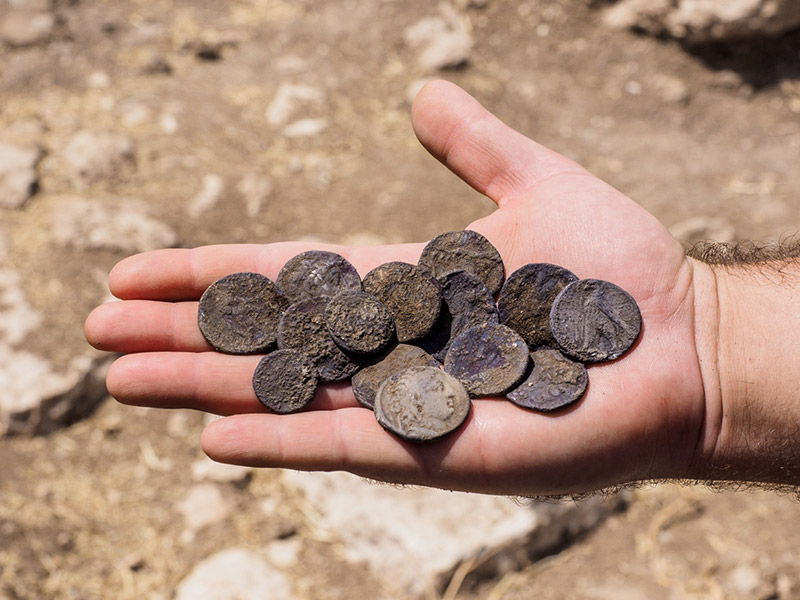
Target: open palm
{"type": "Point", "coordinates": [642, 416]}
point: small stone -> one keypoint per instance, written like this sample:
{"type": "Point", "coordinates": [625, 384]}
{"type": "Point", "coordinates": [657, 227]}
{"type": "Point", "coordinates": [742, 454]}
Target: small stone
{"type": "Point", "coordinates": [239, 313]}
{"type": "Point", "coordinates": [22, 28]}
{"type": "Point", "coordinates": [234, 574]}
{"type": "Point", "coordinates": [94, 156]}
{"type": "Point", "coordinates": [670, 88]}
{"type": "Point", "coordinates": [367, 381]}
{"type": "Point", "coordinates": [255, 189]}
{"type": "Point", "coordinates": [203, 505]}
{"type": "Point", "coordinates": [284, 554]}
{"type": "Point", "coordinates": [488, 360]}
{"type": "Point", "coordinates": [208, 196]}
{"type": "Point", "coordinates": [306, 127]}
{"type": "Point", "coordinates": [18, 177]}
{"type": "Point", "coordinates": [288, 99]}
{"type": "Point", "coordinates": [206, 469]}
{"type": "Point", "coordinates": [285, 381]}
{"type": "Point", "coordinates": [358, 322]}
{"type": "Point", "coordinates": [441, 42]}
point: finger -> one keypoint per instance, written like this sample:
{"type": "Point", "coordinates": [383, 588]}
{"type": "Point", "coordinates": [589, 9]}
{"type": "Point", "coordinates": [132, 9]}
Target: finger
{"type": "Point", "coordinates": [145, 326]}
{"type": "Point", "coordinates": [184, 274]}
{"type": "Point", "coordinates": [209, 381]}
{"type": "Point", "coordinates": [487, 154]}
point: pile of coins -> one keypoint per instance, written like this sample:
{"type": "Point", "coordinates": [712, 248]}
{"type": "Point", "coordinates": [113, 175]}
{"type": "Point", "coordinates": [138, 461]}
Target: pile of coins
{"type": "Point", "coordinates": [419, 341]}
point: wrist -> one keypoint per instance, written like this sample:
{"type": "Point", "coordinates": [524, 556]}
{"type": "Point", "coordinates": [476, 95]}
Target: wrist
{"type": "Point", "coordinates": [752, 377]}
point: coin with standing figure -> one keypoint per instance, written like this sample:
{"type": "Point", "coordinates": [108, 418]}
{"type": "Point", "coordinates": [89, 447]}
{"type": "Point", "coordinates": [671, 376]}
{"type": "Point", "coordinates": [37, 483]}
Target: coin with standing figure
{"type": "Point", "coordinates": [594, 320]}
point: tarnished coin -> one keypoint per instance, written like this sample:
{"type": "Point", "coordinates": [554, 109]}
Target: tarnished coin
{"type": "Point", "coordinates": [526, 298]}
{"type": "Point", "coordinates": [239, 313]}
{"type": "Point", "coordinates": [594, 320]}
{"type": "Point", "coordinates": [466, 302]}
{"type": "Point", "coordinates": [467, 251]}
{"type": "Point", "coordinates": [412, 295]}
{"type": "Point", "coordinates": [367, 381]}
{"type": "Point", "coordinates": [317, 273]}
{"type": "Point", "coordinates": [285, 380]}
{"type": "Point", "coordinates": [554, 382]}
{"type": "Point", "coordinates": [302, 327]}
{"type": "Point", "coordinates": [489, 360]}
{"type": "Point", "coordinates": [421, 404]}
{"type": "Point", "coordinates": [359, 322]}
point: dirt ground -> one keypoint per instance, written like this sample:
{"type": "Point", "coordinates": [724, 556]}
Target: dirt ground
{"type": "Point", "coordinates": [710, 133]}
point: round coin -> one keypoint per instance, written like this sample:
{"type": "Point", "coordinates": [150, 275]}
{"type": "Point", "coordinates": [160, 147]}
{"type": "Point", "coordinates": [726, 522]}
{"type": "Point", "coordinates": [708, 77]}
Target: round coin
{"type": "Point", "coordinates": [594, 320]}
{"type": "Point", "coordinates": [302, 327]}
{"type": "Point", "coordinates": [359, 322]}
{"type": "Point", "coordinates": [317, 273]}
{"type": "Point", "coordinates": [285, 381]}
{"type": "Point", "coordinates": [421, 404]}
{"type": "Point", "coordinates": [367, 381]}
{"type": "Point", "coordinates": [412, 295]}
{"type": "Point", "coordinates": [467, 251]}
{"type": "Point", "coordinates": [466, 302]}
{"type": "Point", "coordinates": [554, 382]}
{"type": "Point", "coordinates": [526, 298]}
{"type": "Point", "coordinates": [489, 360]}
{"type": "Point", "coordinates": [239, 313]}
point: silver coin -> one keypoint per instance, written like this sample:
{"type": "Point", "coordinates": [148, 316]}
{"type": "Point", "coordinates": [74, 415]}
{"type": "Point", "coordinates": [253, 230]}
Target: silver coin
{"type": "Point", "coordinates": [554, 382]}
{"type": "Point", "coordinates": [421, 404]}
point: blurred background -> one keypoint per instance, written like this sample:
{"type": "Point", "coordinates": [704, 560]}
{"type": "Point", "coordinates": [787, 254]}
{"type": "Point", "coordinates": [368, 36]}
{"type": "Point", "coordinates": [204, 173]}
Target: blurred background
{"type": "Point", "coordinates": [128, 125]}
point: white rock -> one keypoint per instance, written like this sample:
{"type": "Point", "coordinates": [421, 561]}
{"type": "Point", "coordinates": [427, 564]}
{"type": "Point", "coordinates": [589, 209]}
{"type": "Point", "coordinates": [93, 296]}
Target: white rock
{"type": "Point", "coordinates": [440, 41]}
{"type": "Point", "coordinates": [412, 539]}
{"type": "Point", "coordinates": [284, 553]}
{"type": "Point", "coordinates": [208, 196]}
{"type": "Point", "coordinates": [27, 28]}
{"type": "Point", "coordinates": [703, 21]}
{"type": "Point", "coordinates": [90, 157]}
{"type": "Point", "coordinates": [203, 505]}
{"type": "Point", "coordinates": [17, 317]}
{"type": "Point", "coordinates": [413, 88]}
{"type": "Point", "coordinates": [306, 127]}
{"type": "Point", "coordinates": [255, 189]}
{"type": "Point", "coordinates": [111, 224]}
{"type": "Point", "coordinates": [206, 469]}
{"type": "Point", "coordinates": [234, 574]}
{"type": "Point", "coordinates": [288, 99]}
{"type": "Point", "coordinates": [17, 174]}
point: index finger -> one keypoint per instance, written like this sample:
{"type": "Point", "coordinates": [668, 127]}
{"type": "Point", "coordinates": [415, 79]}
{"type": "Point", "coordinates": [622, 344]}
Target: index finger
{"type": "Point", "coordinates": [184, 274]}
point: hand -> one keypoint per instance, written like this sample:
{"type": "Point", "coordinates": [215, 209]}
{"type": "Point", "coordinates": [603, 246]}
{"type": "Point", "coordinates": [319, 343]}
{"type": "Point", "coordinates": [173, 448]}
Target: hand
{"type": "Point", "coordinates": [644, 416]}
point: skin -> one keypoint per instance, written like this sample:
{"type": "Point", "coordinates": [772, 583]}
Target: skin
{"type": "Point", "coordinates": [675, 406]}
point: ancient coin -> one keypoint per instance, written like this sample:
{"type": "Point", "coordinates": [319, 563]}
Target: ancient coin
{"type": "Point", "coordinates": [239, 313]}
{"type": "Point", "coordinates": [526, 298]}
{"type": "Point", "coordinates": [594, 320]}
{"type": "Point", "coordinates": [421, 404]}
{"type": "Point", "coordinates": [285, 380]}
{"type": "Point", "coordinates": [317, 273]}
{"type": "Point", "coordinates": [466, 302]}
{"type": "Point", "coordinates": [554, 382]}
{"type": "Point", "coordinates": [467, 251]}
{"type": "Point", "coordinates": [302, 327]}
{"type": "Point", "coordinates": [412, 295]}
{"type": "Point", "coordinates": [367, 381]}
{"type": "Point", "coordinates": [359, 322]}
{"type": "Point", "coordinates": [489, 360]}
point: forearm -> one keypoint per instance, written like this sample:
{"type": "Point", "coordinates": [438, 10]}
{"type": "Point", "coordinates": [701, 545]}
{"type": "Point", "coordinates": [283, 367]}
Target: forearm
{"type": "Point", "coordinates": [752, 377]}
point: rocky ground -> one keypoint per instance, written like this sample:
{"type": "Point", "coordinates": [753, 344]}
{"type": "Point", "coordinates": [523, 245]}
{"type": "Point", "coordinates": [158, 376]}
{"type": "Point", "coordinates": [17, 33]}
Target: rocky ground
{"type": "Point", "coordinates": [129, 125]}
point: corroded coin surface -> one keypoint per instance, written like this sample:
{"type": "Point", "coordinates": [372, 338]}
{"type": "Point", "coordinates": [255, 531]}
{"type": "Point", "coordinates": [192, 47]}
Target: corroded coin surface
{"type": "Point", "coordinates": [594, 320]}
{"type": "Point", "coordinates": [367, 381]}
{"type": "Point", "coordinates": [421, 404]}
{"type": "Point", "coordinates": [414, 298]}
{"type": "Point", "coordinates": [467, 251]}
{"type": "Point", "coordinates": [302, 327]}
{"type": "Point", "coordinates": [285, 381]}
{"type": "Point", "coordinates": [466, 302]}
{"type": "Point", "coordinates": [554, 382]}
{"type": "Point", "coordinates": [239, 313]}
{"type": "Point", "coordinates": [359, 322]}
{"type": "Point", "coordinates": [317, 273]}
{"type": "Point", "coordinates": [489, 360]}
{"type": "Point", "coordinates": [526, 299]}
